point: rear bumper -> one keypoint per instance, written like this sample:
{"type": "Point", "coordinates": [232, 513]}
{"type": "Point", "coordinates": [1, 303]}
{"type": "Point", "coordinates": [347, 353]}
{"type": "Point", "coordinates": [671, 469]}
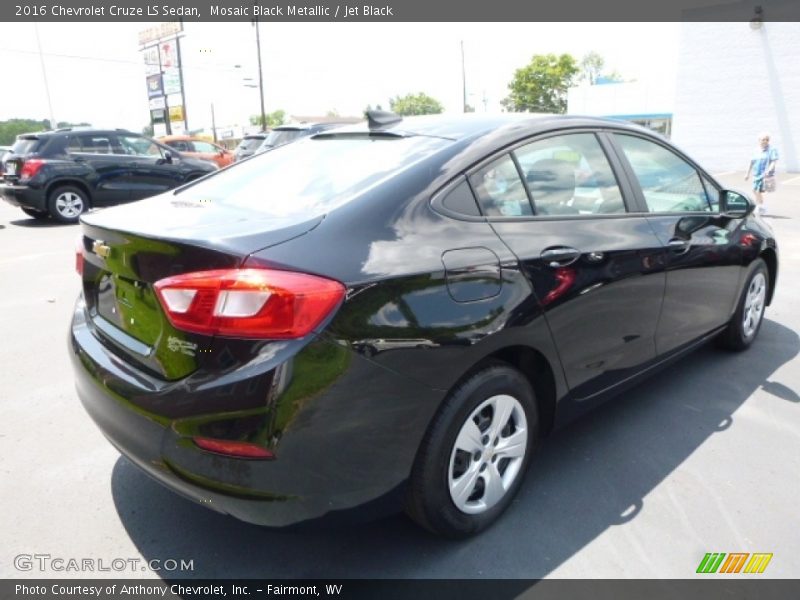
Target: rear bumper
{"type": "Point", "coordinates": [23, 196]}
{"type": "Point", "coordinates": [336, 449]}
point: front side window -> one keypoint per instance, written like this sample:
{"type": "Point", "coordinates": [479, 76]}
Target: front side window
{"type": "Point", "coordinates": [569, 175]}
{"type": "Point", "coordinates": [500, 190]}
{"type": "Point", "coordinates": [669, 183]}
{"type": "Point", "coordinates": [139, 146]}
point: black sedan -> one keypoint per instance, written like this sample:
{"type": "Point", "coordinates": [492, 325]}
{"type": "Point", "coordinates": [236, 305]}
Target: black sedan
{"type": "Point", "coordinates": [393, 313]}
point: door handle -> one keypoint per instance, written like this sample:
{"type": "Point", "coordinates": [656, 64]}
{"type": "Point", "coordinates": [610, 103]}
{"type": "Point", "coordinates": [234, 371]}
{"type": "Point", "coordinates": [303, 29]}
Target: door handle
{"type": "Point", "coordinates": [560, 256]}
{"type": "Point", "coordinates": [678, 245]}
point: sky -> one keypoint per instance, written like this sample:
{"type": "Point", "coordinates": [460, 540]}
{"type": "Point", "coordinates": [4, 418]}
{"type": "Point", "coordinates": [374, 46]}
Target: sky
{"type": "Point", "coordinates": [96, 73]}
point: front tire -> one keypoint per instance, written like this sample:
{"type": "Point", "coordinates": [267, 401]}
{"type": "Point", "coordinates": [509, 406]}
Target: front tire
{"type": "Point", "coordinates": [746, 322]}
{"type": "Point", "coordinates": [67, 203]}
{"type": "Point", "coordinates": [475, 454]}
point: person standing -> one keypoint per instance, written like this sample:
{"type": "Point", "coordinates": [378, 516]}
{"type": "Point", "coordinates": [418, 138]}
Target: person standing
{"type": "Point", "coordinates": [762, 167]}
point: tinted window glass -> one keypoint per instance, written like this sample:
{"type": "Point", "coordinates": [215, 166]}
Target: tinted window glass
{"type": "Point", "coordinates": [250, 143]}
{"type": "Point", "coordinates": [95, 144]}
{"type": "Point", "coordinates": [668, 182]}
{"type": "Point", "coordinates": [25, 146]}
{"type": "Point", "coordinates": [204, 147]}
{"type": "Point", "coordinates": [461, 200]}
{"type": "Point", "coordinates": [283, 136]}
{"type": "Point", "coordinates": [312, 178]}
{"type": "Point", "coordinates": [499, 189]}
{"type": "Point", "coordinates": [569, 174]}
{"type": "Point", "coordinates": [139, 146]}
{"type": "Point", "coordinates": [712, 192]}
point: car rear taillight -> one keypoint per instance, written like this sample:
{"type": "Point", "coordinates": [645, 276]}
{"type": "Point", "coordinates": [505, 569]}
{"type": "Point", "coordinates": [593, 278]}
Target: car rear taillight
{"type": "Point", "coordinates": [79, 255]}
{"type": "Point", "coordinates": [249, 303]}
{"type": "Point", "coordinates": [233, 448]}
{"type": "Point", "coordinates": [30, 168]}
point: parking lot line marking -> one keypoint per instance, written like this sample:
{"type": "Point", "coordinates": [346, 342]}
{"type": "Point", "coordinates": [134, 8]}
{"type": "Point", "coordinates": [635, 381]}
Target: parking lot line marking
{"type": "Point", "coordinates": [792, 181]}
{"type": "Point", "coordinates": [5, 261]}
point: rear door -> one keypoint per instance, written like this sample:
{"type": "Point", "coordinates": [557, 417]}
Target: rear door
{"type": "Point", "coordinates": [700, 251]}
{"type": "Point", "coordinates": [593, 265]}
{"type": "Point", "coordinates": [108, 171]}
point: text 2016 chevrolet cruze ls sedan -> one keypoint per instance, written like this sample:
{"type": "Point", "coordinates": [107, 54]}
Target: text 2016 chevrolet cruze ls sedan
{"type": "Point", "coordinates": [398, 310]}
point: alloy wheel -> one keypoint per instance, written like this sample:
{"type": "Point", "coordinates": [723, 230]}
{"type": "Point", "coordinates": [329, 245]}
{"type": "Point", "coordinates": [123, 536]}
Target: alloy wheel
{"type": "Point", "coordinates": [69, 205]}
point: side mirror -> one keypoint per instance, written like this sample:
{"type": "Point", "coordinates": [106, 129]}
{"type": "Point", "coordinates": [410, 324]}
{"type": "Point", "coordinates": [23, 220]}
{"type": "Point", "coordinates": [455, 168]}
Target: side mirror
{"type": "Point", "coordinates": [735, 204]}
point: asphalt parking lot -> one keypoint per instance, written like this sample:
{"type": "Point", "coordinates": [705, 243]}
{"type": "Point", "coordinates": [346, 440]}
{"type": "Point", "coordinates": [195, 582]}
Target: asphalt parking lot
{"type": "Point", "coordinates": [704, 457]}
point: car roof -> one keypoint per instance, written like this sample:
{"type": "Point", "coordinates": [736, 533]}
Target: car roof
{"type": "Point", "coordinates": [472, 125]}
{"type": "Point", "coordinates": [181, 138]}
{"type": "Point", "coordinates": [68, 130]}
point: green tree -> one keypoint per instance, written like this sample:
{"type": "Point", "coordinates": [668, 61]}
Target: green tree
{"type": "Point", "coordinates": [541, 85]}
{"type": "Point", "coordinates": [9, 130]}
{"type": "Point", "coordinates": [275, 118]}
{"type": "Point", "coordinates": [415, 104]}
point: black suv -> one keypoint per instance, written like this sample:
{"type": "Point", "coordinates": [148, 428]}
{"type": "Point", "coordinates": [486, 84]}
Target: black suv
{"type": "Point", "coordinates": [62, 173]}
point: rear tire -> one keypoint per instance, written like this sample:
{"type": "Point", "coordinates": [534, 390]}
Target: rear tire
{"type": "Point", "coordinates": [474, 456]}
{"type": "Point", "coordinates": [746, 321]}
{"type": "Point", "coordinates": [39, 215]}
{"type": "Point", "coordinates": [67, 203]}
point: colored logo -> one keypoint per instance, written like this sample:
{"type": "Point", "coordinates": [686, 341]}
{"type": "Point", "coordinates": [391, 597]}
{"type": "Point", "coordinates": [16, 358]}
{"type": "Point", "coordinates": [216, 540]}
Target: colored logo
{"type": "Point", "coordinates": [735, 562]}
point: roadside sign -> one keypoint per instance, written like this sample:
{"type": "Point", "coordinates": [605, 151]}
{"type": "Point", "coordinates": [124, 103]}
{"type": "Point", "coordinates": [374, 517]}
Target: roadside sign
{"type": "Point", "coordinates": [154, 86]}
{"type": "Point", "coordinates": [176, 113]}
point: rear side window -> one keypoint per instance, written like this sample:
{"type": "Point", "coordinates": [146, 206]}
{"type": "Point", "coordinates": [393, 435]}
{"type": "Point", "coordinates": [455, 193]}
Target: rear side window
{"type": "Point", "coordinates": [569, 175]}
{"type": "Point", "coordinates": [312, 177]}
{"type": "Point", "coordinates": [93, 144]}
{"type": "Point", "coordinates": [668, 182]}
{"type": "Point", "coordinates": [500, 190]}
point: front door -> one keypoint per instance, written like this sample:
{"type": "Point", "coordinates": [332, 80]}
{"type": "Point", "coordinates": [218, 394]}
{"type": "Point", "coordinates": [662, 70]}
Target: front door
{"type": "Point", "coordinates": [153, 172]}
{"type": "Point", "coordinates": [700, 251]}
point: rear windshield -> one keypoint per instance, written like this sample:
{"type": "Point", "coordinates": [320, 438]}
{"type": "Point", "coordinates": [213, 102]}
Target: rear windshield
{"type": "Point", "coordinates": [313, 176]}
{"type": "Point", "coordinates": [250, 143]}
{"type": "Point", "coordinates": [283, 136]}
{"type": "Point", "coordinates": [26, 145]}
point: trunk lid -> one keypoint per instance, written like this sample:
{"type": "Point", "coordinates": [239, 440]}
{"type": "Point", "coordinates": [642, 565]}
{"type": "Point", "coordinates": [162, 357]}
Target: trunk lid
{"type": "Point", "coordinates": [128, 249]}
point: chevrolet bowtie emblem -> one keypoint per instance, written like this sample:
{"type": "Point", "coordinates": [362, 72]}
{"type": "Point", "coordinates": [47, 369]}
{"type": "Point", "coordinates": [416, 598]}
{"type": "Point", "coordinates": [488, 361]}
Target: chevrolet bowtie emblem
{"type": "Point", "coordinates": [100, 248]}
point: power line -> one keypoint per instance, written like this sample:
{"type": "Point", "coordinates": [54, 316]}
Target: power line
{"type": "Point", "coordinates": [233, 68]}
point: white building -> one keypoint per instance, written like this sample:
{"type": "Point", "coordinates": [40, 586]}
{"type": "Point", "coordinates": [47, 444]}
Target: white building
{"type": "Point", "coordinates": [734, 81]}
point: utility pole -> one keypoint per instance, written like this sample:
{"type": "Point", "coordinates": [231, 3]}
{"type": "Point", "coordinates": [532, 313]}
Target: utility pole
{"type": "Point", "coordinates": [463, 76]}
{"type": "Point", "coordinates": [213, 123]}
{"type": "Point", "coordinates": [260, 76]}
{"type": "Point", "coordinates": [53, 123]}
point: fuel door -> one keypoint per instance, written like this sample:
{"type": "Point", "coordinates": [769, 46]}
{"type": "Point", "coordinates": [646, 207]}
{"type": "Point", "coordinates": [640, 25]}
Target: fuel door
{"type": "Point", "coordinates": [472, 274]}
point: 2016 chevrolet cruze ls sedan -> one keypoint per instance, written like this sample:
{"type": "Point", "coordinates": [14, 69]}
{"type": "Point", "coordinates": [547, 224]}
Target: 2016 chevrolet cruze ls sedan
{"type": "Point", "coordinates": [398, 310]}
